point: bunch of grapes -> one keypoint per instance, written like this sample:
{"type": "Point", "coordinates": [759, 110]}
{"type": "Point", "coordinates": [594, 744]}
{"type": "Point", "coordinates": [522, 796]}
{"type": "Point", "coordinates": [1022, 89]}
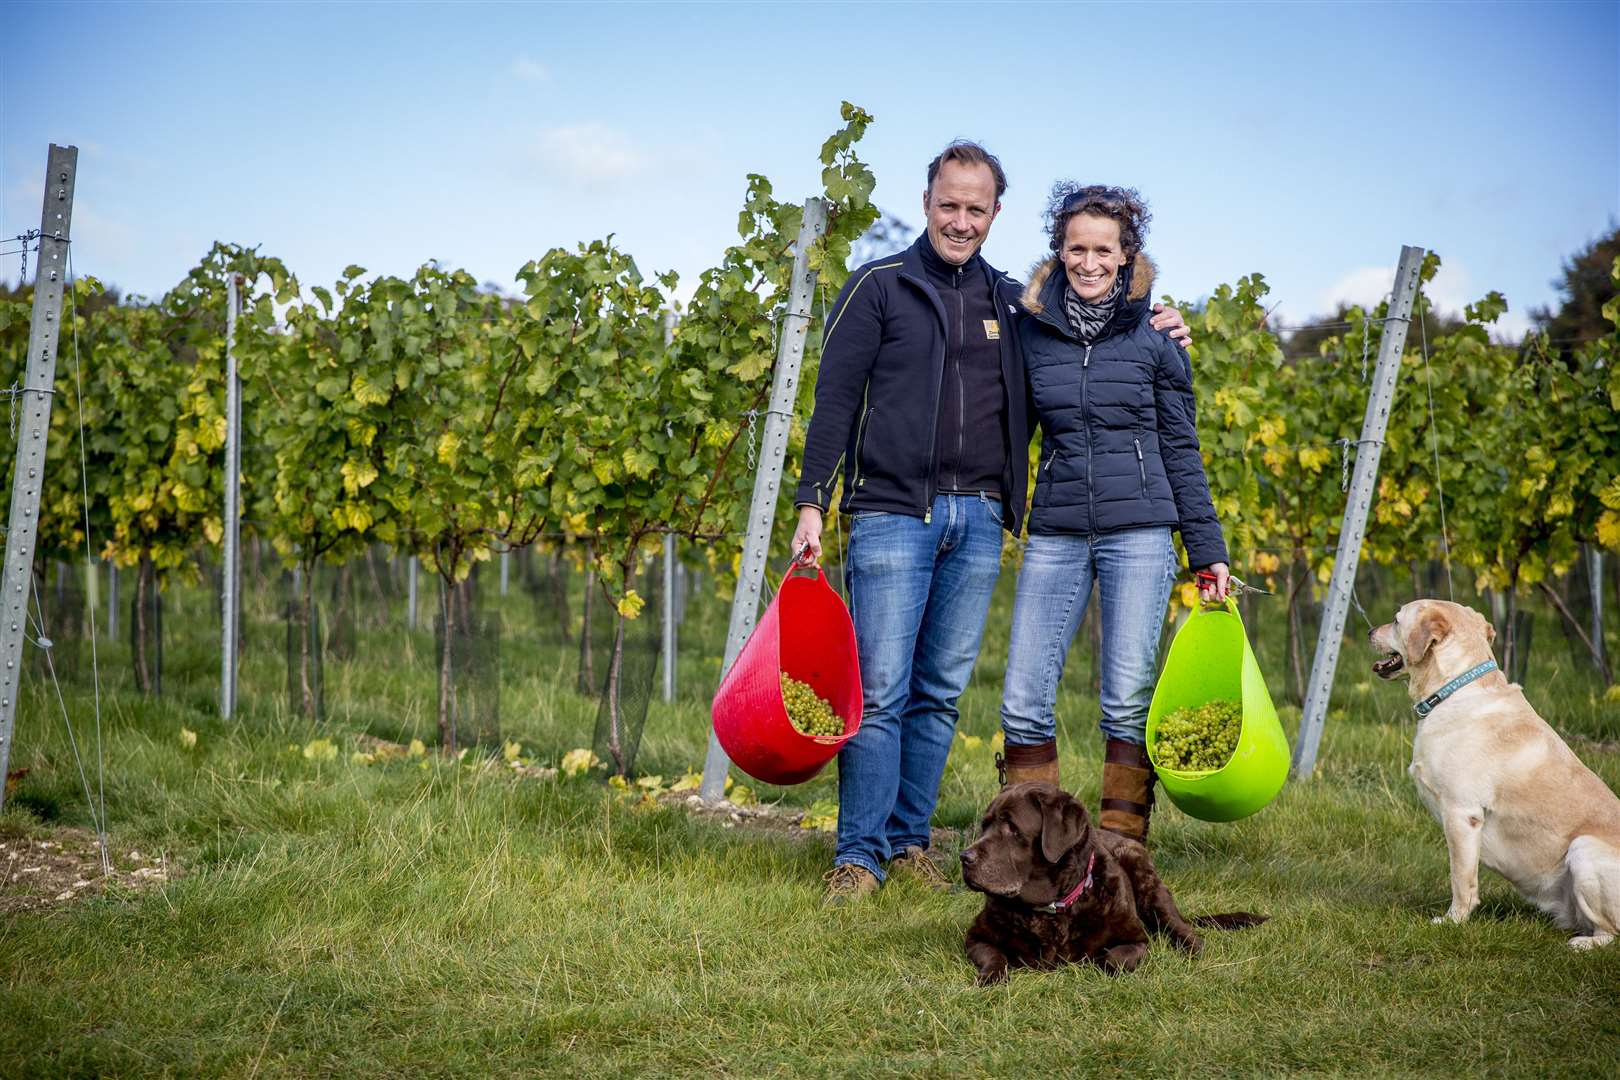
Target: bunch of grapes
{"type": "Point", "coordinates": [808, 711]}
{"type": "Point", "coordinates": [1199, 739]}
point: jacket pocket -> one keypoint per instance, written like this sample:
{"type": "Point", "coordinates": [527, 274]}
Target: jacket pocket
{"type": "Point", "coordinates": [1043, 477]}
{"type": "Point", "coordinates": [1141, 465]}
{"type": "Point", "coordinates": [860, 444]}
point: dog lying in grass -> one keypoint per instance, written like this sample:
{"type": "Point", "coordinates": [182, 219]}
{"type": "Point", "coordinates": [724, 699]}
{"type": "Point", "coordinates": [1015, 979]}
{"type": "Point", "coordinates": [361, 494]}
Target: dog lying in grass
{"type": "Point", "coordinates": [1504, 787]}
{"type": "Point", "coordinates": [1058, 891]}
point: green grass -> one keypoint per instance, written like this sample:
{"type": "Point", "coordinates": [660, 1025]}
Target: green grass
{"type": "Point", "coordinates": [447, 919]}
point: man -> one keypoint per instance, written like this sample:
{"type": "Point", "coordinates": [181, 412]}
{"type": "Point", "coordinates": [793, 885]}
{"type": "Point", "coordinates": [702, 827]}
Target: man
{"type": "Point", "coordinates": [921, 402]}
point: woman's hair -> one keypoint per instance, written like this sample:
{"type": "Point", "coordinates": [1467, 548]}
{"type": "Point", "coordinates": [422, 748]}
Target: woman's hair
{"type": "Point", "coordinates": [1124, 205]}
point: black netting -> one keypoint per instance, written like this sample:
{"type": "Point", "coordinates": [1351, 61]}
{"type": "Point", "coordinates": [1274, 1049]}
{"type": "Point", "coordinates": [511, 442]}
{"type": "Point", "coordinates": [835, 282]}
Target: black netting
{"type": "Point", "coordinates": [62, 614]}
{"type": "Point", "coordinates": [595, 641]}
{"type": "Point", "coordinates": [629, 672]}
{"type": "Point", "coordinates": [338, 585]}
{"type": "Point", "coordinates": [470, 670]}
{"type": "Point", "coordinates": [301, 613]}
{"type": "Point", "coordinates": [146, 630]}
{"type": "Point", "coordinates": [548, 577]}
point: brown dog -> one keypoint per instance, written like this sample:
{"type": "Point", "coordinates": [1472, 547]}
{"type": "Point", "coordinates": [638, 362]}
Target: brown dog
{"type": "Point", "coordinates": [1058, 891]}
{"type": "Point", "coordinates": [1505, 788]}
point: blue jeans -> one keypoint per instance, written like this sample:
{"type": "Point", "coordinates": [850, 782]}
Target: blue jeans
{"type": "Point", "coordinates": [1134, 569]}
{"type": "Point", "coordinates": [919, 592]}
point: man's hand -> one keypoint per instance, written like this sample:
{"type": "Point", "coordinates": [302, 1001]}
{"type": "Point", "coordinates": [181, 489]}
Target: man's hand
{"type": "Point", "coordinates": [1170, 321]}
{"type": "Point", "coordinates": [808, 532]}
{"type": "Point", "coordinates": [1215, 591]}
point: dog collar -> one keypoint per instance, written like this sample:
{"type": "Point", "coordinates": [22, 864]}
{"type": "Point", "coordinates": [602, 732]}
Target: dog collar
{"type": "Point", "coordinates": [1426, 706]}
{"type": "Point", "coordinates": [1074, 894]}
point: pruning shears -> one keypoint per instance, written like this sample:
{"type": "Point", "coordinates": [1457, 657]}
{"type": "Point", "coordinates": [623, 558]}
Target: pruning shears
{"type": "Point", "coordinates": [1233, 583]}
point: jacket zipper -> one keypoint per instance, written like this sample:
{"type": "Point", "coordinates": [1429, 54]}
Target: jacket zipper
{"type": "Point", "coordinates": [961, 389]}
{"type": "Point", "coordinates": [933, 434]}
{"type": "Point", "coordinates": [1141, 466]}
{"type": "Point", "coordinates": [1085, 411]}
{"type": "Point", "coordinates": [860, 442]}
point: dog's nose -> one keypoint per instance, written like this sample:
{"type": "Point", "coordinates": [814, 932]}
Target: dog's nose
{"type": "Point", "coordinates": [968, 856]}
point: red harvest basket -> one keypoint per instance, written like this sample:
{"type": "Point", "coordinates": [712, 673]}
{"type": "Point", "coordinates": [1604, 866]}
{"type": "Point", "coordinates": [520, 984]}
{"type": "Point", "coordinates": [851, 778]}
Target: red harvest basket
{"type": "Point", "coordinates": [805, 631]}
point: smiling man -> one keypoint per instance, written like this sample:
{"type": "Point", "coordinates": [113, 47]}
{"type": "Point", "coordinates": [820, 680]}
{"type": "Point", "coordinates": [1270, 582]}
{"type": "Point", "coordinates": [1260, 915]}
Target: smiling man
{"type": "Point", "coordinates": [920, 407]}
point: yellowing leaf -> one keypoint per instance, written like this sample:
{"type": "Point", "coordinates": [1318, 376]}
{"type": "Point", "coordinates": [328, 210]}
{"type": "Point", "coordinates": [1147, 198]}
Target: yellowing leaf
{"type": "Point", "coordinates": [631, 604]}
{"type": "Point", "coordinates": [188, 738]}
{"type": "Point", "coordinates": [688, 782]}
{"type": "Point", "coordinates": [638, 462]}
{"type": "Point", "coordinates": [417, 749]}
{"type": "Point", "coordinates": [821, 817]}
{"type": "Point", "coordinates": [578, 761]}
{"type": "Point", "coordinates": [366, 392]}
{"type": "Point", "coordinates": [512, 751]}
{"type": "Point", "coordinates": [449, 448]}
{"type": "Point", "coordinates": [320, 750]}
{"type": "Point", "coordinates": [356, 475]}
{"type": "Point", "coordinates": [1610, 494]}
{"type": "Point", "coordinates": [1608, 529]}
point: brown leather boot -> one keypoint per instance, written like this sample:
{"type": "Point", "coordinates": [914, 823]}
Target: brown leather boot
{"type": "Point", "coordinates": [1021, 763]}
{"type": "Point", "coordinates": [1127, 791]}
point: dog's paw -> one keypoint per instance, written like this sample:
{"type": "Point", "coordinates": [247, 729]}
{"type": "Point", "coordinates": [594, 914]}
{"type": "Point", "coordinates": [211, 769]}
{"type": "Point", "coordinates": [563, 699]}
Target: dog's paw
{"type": "Point", "coordinates": [1591, 941]}
{"type": "Point", "coordinates": [991, 976]}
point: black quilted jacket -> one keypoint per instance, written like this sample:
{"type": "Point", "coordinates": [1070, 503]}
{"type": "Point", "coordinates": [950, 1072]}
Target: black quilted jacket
{"type": "Point", "coordinates": [1119, 435]}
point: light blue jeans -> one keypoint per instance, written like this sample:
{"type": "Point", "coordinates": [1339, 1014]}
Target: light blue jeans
{"type": "Point", "coordinates": [919, 592]}
{"type": "Point", "coordinates": [1134, 569]}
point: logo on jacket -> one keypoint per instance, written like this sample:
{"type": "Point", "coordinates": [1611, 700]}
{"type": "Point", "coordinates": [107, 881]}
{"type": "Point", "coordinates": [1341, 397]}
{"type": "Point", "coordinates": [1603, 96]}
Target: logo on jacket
{"type": "Point", "coordinates": [992, 330]}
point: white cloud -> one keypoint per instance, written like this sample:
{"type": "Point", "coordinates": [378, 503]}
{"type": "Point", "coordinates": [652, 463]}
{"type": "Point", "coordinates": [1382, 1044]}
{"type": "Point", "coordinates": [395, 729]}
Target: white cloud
{"type": "Point", "coordinates": [588, 153]}
{"type": "Point", "coordinates": [528, 69]}
{"type": "Point", "coordinates": [1450, 292]}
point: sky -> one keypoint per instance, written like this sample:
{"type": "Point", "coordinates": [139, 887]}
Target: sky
{"type": "Point", "coordinates": [1306, 142]}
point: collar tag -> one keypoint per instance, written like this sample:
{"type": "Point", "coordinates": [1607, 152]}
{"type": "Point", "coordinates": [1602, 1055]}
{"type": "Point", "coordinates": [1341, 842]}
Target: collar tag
{"type": "Point", "coordinates": [1074, 894]}
{"type": "Point", "coordinates": [1428, 704]}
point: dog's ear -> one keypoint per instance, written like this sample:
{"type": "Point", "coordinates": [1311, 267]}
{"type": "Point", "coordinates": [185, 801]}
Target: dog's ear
{"type": "Point", "coordinates": [1432, 628]}
{"type": "Point", "coordinates": [1062, 822]}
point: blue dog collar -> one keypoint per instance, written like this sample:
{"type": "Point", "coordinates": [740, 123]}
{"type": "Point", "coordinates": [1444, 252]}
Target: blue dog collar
{"type": "Point", "coordinates": [1426, 706]}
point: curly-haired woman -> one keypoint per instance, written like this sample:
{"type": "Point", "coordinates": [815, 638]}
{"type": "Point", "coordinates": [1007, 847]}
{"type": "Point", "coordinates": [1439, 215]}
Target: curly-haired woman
{"type": "Point", "coordinates": [1119, 470]}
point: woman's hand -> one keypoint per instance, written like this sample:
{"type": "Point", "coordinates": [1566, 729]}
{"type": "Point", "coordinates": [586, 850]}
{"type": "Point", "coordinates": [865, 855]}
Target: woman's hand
{"type": "Point", "coordinates": [808, 533]}
{"type": "Point", "coordinates": [1215, 591]}
{"type": "Point", "coordinates": [1169, 320]}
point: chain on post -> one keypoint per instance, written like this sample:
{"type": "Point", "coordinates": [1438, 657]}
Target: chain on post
{"type": "Point", "coordinates": [751, 414]}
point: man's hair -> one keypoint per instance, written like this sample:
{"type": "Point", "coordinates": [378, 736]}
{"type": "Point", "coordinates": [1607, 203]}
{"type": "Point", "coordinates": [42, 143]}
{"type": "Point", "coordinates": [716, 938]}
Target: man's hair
{"type": "Point", "coordinates": [969, 153]}
{"type": "Point", "coordinates": [1124, 205]}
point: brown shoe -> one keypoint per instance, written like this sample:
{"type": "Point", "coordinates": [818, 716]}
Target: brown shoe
{"type": "Point", "coordinates": [846, 882]}
{"type": "Point", "coordinates": [1127, 791]}
{"type": "Point", "coordinates": [917, 863]}
{"type": "Point", "coordinates": [1036, 762]}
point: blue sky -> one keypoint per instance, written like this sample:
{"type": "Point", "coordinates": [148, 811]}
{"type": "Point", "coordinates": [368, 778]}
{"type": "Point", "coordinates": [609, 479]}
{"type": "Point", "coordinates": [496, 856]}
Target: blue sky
{"type": "Point", "coordinates": [1306, 142]}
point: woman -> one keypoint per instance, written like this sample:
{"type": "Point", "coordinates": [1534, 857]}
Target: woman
{"type": "Point", "coordinates": [1119, 470]}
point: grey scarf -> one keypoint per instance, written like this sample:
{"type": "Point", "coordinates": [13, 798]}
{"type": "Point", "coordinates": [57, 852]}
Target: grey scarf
{"type": "Point", "coordinates": [1087, 318]}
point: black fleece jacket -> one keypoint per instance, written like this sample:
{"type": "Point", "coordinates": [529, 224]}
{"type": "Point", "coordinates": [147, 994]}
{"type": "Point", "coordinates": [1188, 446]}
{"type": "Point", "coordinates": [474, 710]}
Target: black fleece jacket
{"type": "Point", "coordinates": [886, 361]}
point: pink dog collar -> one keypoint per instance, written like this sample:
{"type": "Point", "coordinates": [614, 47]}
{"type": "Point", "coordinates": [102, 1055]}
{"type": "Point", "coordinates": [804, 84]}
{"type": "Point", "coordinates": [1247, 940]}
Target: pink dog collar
{"type": "Point", "coordinates": [1074, 894]}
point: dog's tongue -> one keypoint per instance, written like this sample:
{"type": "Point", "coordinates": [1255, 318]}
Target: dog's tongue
{"type": "Point", "coordinates": [1388, 666]}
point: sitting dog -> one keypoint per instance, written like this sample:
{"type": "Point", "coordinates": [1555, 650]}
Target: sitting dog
{"type": "Point", "coordinates": [1504, 787]}
{"type": "Point", "coordinates": [1058, 891]}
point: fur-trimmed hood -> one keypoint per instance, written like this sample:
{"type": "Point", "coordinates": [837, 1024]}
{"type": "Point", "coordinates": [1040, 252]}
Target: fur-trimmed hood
{"type": "Point", "coordinates": [1142, 274]}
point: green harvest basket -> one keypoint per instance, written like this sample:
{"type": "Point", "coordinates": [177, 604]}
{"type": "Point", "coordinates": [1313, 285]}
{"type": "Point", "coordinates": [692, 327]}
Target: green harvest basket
{"type": "Point", "coordinates": [1210, 659]}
